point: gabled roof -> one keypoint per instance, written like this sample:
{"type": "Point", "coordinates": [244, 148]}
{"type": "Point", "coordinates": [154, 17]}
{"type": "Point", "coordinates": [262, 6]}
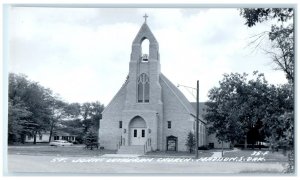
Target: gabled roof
{"type": "Point", "coordinates": [202, 108]}
{"type": "Point", "coordinates": [178, 94]}
{"type": "Point", "coordinates": [116, 95]}
{"type": "Point", "coordinates": [143, 33]}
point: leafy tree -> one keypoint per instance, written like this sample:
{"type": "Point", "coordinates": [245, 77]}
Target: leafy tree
{"type": "Point", "coordinates": [279, 121]}
{"type": "Point", "coordinates": [281, 35]}
{"type": "Point", "coordinates": [17, 115]}
{"type": "Point", "coordinates": [252, 110]}
{"type": "Point", "coordinates": [223, 111]}
{"type": "Point", "coordinates": [29, 110]}
{"type": "Point", "coordinates": [91, 113]}
{"type": "Point", "coordinates": [34, 109]}
{"type": "Point", "coordinates": [18, 112]}
{"type": "Point", "coordinates": [73, 111]}
{"type": "Point", "coordinates": [190, 142]}
{"type": "Point", "coordinates": [58, 113]}
{"type": "Point", "coordinates": [82, 118]}
{"type": "Point", "coordinates": [96, 115]}
{"type": "Point", "coordinates": [37, 99]}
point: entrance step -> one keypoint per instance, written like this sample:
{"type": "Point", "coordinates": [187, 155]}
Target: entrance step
{"type": "Point", "coordinates": [137, 149]}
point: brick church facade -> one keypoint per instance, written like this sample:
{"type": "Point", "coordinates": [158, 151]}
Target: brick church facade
{"type": "Point", "coordinates": [148, 113]}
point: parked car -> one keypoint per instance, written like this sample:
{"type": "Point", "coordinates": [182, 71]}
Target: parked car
{"type": "Point", "coordinates": [60, 143]}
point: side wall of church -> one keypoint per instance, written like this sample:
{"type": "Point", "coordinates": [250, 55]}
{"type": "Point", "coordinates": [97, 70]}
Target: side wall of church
{"type": "Point", "coordinates": [109, 132]}
{"type": "Point", "coordinates": [181, 120]}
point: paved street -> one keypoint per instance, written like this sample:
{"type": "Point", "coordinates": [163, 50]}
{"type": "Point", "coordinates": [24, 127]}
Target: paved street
{"type": "Point", "coordinates": [112, 165]}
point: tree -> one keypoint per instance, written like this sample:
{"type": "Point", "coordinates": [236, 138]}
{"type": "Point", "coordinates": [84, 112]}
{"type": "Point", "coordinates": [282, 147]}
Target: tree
{"type": "Point", "coordinates": [96, 115]}
{"type": "Point", "coordinates": [190, 142]}
{"type": "Point", "coordinates": [91, 113]}
{"type": "Point", "coordinates": [91, 138]}
{"type": "Point", "coordinates": [281, 36]}
{"type": "Point", "coordinates": [29, 110]}
{"type": "Point", "coordinates": [18, 114]}
{"type": "Point", "coordinates": [73, 111]}
{"type": "Point", "coordinates": [282, 53]}
{"type": "Point", "coordinates": [82, 118]}
{"type": "Point", "coordinates": [58, 113]}
{"type": "Point", "coordinates": [37, 99]}
{"type": "Point", "coordinates": [279, 121]}
{"type": "Point", "coordinates": [223, 111]}
{"type": "Point", "coordinates": [34, 109]}
{"type": "Point", "coordinates": [241, 108]}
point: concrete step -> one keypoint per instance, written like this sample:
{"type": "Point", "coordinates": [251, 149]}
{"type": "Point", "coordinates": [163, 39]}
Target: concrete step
{"type": "Point", "coordinates": [131, 150]}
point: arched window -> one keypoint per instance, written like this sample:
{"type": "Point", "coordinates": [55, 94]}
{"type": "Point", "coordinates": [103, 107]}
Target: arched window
{"type": "Point", "coordinates": [143, 88]}
{"type": "Point", "coordinates": [145, 50]}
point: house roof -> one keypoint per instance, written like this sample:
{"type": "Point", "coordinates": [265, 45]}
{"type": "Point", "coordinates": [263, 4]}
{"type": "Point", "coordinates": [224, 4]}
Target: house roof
{"type": "Point", "coordinates": [58, 133]}
{"type": "Point", "coordinates": [61, 133]}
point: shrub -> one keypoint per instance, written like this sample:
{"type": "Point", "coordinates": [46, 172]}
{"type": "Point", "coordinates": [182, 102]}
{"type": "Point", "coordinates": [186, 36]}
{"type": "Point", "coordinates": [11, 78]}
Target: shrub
{"type": "Point", "coordinates": [190, 142]}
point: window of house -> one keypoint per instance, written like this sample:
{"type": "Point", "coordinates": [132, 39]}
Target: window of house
{"type": "Point", "coordinates": [29, 137]}
{"type": "Point", "coordinates": [143, 88]}
{"type": "Point", "coordinates": [169, 124]}
{"type": "Point", "coordinates": [56, 137]}
{"type": "Point", "coordinates": [120, 124]}
{"type": "Point", "coordinates": [41, 137]}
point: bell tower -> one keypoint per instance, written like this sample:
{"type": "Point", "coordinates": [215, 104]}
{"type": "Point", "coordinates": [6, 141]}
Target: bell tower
{"type": "Point", "coordinates": [144, 69]}
{"type": "Point", "coordinates": [143, 90]}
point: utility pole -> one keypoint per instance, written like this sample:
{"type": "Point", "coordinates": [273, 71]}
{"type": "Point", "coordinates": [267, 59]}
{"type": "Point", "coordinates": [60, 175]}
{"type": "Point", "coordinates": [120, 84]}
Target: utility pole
{"type": "Point", "coordinates": [197, 117]}
{"type": "Point", "coordinates": [197, 122]}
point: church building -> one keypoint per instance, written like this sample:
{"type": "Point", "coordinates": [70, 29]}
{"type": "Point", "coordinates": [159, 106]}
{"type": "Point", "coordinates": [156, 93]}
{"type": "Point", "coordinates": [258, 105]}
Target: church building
{"type": "Point", "coordinates": [148, 113]}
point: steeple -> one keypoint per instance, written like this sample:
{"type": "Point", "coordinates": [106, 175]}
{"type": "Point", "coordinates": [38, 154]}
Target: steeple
{"type": "Point", "coordinates": [145, 33]}
{"type": "Point", "coordinates": [144, 70]}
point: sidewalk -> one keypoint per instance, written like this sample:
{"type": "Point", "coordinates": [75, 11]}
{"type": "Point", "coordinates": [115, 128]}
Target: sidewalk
{"type": "Point", "coordinates": [121, 155]}
{"type": "Point", "coordinates": [217, 155]}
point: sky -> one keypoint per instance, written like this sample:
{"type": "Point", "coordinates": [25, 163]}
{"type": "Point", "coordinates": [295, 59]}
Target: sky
{"type": "Point", "coordinates": [83, 54]}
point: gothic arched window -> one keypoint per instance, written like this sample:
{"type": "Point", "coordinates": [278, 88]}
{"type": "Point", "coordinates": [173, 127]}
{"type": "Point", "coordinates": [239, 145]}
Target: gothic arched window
{"type": "Point", "coordinates": [143, 88]}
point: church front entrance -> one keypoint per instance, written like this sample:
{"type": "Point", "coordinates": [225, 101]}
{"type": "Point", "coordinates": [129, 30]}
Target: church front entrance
{"type": "Point", "coordinates": [138, 135]}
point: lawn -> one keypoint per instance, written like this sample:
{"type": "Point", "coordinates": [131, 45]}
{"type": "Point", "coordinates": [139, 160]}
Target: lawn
{"type": "Point", "coordinates": [268, 155]}
{"type": "Point", "coordinates": [76, 150]}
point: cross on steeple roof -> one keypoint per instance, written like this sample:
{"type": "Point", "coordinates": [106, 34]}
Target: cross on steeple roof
{"type": "Point", "coordinates": [145, 16]}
